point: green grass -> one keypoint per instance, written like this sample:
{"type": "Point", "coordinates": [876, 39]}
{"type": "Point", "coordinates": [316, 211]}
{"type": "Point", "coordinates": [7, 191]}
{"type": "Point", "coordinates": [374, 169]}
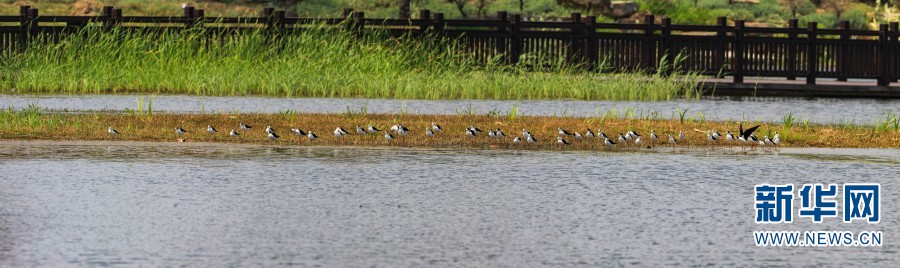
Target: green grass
{"type": "Point", "coordinates": [320, 62]}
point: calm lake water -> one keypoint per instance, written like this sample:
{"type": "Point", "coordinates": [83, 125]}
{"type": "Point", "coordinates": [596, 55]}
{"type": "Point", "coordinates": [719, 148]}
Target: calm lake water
{"type": "Point", "coordinates": [737, 108]}
{"type": "Point", "coordinates": [209, 205]}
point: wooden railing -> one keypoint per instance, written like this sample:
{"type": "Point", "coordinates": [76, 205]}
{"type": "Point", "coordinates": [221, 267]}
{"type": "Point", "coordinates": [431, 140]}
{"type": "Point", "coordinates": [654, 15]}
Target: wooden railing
{"type": "Point", "coordinates": [721, 50]}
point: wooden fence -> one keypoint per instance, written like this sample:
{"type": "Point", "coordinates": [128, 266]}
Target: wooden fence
{"type": "Point", "coordinates": [721, 50]}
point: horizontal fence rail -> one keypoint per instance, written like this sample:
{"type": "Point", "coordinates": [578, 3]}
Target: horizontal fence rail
{"type": "Point", "coordinates": [718, 50]}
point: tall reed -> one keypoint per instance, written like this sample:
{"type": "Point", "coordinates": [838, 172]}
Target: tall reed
{"type": "Point", "coordinates": [321, 61]}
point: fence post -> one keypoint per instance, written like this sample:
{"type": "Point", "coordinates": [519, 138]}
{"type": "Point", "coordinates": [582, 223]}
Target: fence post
{"type": "Point", "coordinates": [439, 23]}
{"type": "Point", "coordinates": [722, 34]}
{"type": "Point", "coordinates": [267, 15]}
{"type": "Point", "coordinates": [188, 16]}
{"type": "Point", "coordinates": [106, 15]}
{"type": "Point", "coordinates": [649, 44]}
{"type": "Point", "coordinates": [116, 16]}
{"type": "Point", "coordinates": [359, 22]}
{"type": "Point", "coordinates": [811, 56]}
{"type": "Point", "coordinates": [503, 30]}
{"type": "Point", "coordinates": [666, 46]}
{"type": "Point", "coordinates": [892, 50]}
{"type": "Point", "coordinates": [842, 57]}
{"type": "Point", "coordinates": [33, 14]}
{"type": "Point", "coordinates": [24, 25]}
{"type": "Point", "coordinates": [792, 49]}
{"type": "Point", "coordinates": [737, 63]}
{"type": "Point", "coordinates": [590, 46]}
{"type": "Point", "coordinates": [424, 20]}
{"type": "Point", "coordinates": [883, 57]}
{"type": "Point", "coordinates": [279, 21]}
{"type": "Point", "coordinates": [516, 39]}
{"type": "Point", "coordinates": [576, 43]}
{"type": "Point", "coordinates": [199, 15]}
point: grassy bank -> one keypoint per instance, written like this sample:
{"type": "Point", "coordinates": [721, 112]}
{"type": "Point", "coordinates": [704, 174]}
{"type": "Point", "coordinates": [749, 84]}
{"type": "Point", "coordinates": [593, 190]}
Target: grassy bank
{"type": "Point", "coordinates": [32, 124]}
{"type": "Point", "coordinates": [320, 62]}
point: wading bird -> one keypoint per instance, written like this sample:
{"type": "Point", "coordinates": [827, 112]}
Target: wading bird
{"type": "Point", "coordinates": [360, 130]}
{"type": "Point", "coordinates": [180, 131]}
{"type": "Point", "coordinates": [269, 129]}
{"type": "Point", "coordinates": [273, 136]}
{"type": "Point", "coordinates": [372, 129]}
{"type": "Point", "coordinates": [517, 140]}
{"type": "Point", "coordinates": [245, 127]}
{"type": "Point", "coordinates": [388, 136]}
{"type": "Point", "coordinates": [563, 132]}
{"type": "Point", "coordinates": [561, 141]}
{"type": "Point", "coordinates": [589, 134]}
{"type": "Point", "coordinates": [653, 136]}
{"type": "Point", "coordinates": [298, 132]}
{"type": "Point", "coordinates": [112, 131]}
{"type": "Point", "coordinates": [211, 129]}
{"type": "Point", "coordinates": [340, 132]}
{"type": "Point", "coordinates": [311, 136]}
{"type": "Point", "coordinates": [233, 133]}
{"type": "Point", "coordinates": [608, 142]}
{"type": "Point", "coordinates": [436, 128]}
{"type": "Point", "coordinates": [429, 132]}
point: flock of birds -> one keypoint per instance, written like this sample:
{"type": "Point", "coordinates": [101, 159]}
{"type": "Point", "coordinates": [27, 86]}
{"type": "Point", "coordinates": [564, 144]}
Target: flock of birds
{"type": "Point", "coordinates": [744, 136]}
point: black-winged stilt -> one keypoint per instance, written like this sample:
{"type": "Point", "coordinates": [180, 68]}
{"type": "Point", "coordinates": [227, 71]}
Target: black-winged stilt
{"type": "Point", "coordinates": [339, 132]}
{"type": "Point", "coordinates": [561, 141]}
{"type": "Point", "coordinates": [578, 136]}
{"type": "Point", "coordinates": [517, 140]}
{"type": "Point", "coordinates": [360, 130]}
{"type": "Point", "coordinates": [298, 132]}
{"type": "Point", "coordinates": [112, 131]}
{"type": "Point", "coordinates": [429, 132]}
{"type": "Point", "coordinates": [388, 136]}
{"type": "Point", "coordinates": [211, 129]}
{"type": "Point", "coordinates": [180, 131]}
{"type": "Point", "coordinates": [311, 136]}
{"type": "Point", "coordinates": [653, 136]}
{"type": "Point", "coordinates": [436, 128]}
{"type": "Point", "coordinates": [269, 129]}
{"type": "Point", "coordinates": [233, 133]}
{"type": "Point", "coordinates": [273, 136]}
{"type": "Point", "coordinates": [372, 129]}
{"type": "Point", "coordinates": [608, 142]}
{"type": "Point", "coordinates": [563, 132]}
{"type": "Point", "coordinates": [245, 127]}
{"type": "Point", "coordinates": [499, 134]}
{"type": "Point", "coordinates": [681, 136]}
{"type": "Point", "coordinates": [589, 134]}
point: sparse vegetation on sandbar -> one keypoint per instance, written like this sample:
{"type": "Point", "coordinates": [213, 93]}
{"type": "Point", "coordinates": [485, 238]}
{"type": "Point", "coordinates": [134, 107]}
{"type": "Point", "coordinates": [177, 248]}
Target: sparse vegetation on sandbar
{"type": "Point", "coordinates": [32, 124]}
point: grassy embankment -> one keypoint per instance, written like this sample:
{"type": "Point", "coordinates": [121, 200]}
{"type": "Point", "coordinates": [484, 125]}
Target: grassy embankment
{"type": "Point", "coordinates": [32, 124]}
{"type": "Point", "coordinates": [322, 62]}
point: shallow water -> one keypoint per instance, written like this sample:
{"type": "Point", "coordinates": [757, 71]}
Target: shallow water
{"type": "Point", "coordinates": [720, 108]}
{"type": "Point", "coordinates": [210, 205]}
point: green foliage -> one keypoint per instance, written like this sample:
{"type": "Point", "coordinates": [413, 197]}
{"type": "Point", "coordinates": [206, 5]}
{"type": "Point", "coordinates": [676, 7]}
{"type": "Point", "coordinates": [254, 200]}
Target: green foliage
{"type": "Point", "coordinates": [824, 20]}
{"type": "Point", "coordinates": [321, 61]}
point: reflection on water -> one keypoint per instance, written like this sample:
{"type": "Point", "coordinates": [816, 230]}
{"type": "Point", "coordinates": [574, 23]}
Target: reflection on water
{"type": "Point", "coordinates": [211, 205]}
{"type": "Point", "coordinates": [730, 108]}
